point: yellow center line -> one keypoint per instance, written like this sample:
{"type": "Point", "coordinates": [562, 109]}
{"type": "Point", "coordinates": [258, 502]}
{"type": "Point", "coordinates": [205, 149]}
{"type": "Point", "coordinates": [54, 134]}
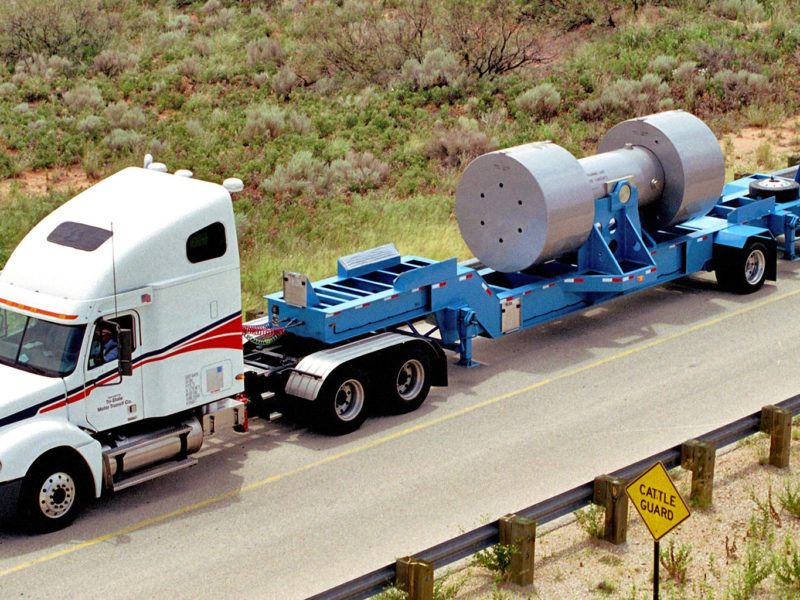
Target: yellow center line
{"type": "Point", "coordinates": [394, 436]}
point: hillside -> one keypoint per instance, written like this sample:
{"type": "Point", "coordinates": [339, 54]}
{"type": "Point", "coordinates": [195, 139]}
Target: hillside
{"type": "Point", "coordinates": [349, 121]}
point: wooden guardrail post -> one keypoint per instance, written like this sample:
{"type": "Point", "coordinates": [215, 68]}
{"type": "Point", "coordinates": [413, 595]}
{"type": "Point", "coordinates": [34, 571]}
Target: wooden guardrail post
{"type": "Point", "coordinates": [609, 492]}
{"type": "Point", "coordinates": [699, 458]}
{"type": "Point", "coordinates": [520, 534]}
{"type": "Point", "coordinates": [415, 577]}
{"type": "Point", "coordinates": [777, 422]}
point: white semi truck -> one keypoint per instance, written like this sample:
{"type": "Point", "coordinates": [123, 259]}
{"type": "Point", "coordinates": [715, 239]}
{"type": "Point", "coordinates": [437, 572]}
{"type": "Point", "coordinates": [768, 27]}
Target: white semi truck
{"type": "Point", "coordinates": [121, 335]}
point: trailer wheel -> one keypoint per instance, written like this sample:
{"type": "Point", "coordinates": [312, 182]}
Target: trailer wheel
{"type": "Point", "coordinates": [747, 270]}
{"type": "Point", "coordinates": [341, 403]}
{"type": "Point", "coordinates": [52, 494]}
{"type": "Point", "coordinates": [408, 381]}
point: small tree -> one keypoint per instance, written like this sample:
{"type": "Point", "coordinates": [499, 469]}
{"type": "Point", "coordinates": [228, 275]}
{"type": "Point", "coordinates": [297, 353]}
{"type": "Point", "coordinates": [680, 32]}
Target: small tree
{"type": "Point", "coordinates": [492, 36]}
{"type": "Point", "coordinates": [75, 29]}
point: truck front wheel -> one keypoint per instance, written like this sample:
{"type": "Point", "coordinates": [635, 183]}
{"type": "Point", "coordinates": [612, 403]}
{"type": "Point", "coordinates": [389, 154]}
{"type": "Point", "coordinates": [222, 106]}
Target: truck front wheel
{"type": "Point", "coordinates": [52, 494]}
{"type": "Point", "coordinates": [409, 381]}
{"type": "Point", "coordinates": [341, 403]}
{"type": "Point", "coordinates": [745, 271]}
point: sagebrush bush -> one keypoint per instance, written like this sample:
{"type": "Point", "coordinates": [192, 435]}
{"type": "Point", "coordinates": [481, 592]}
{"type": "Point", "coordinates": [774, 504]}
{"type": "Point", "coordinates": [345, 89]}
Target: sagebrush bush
{"type": "Point", "coordinates": [459, 144]}
{"type": "Point", "coordinates": [359, 171]}
{"type": "Point", "coordinates": [263, 122]}
{"type": "Point", "coordinates": [47, 67]}
{"type": "Point", "coordinates": [664, 65]}
{"type": "Point", "coordinates": [122, 116]}
{"type": "Point", "coordinates": [735, 89]}
{"type": "Point", "coordinates": [541, 102]}
{"type": "Point", "coordinates": [189, 67]}
{"type": "Point", "coordinates": [90, 124]}
{"type": "Point", "coordinates": [120, 139]}
{"type": "Point", "coordinates": [7, 89]}
{"type": "Point", "coordinates": [83, 96]}
{"type": "Point", "coordinates": [299, 123]}
{"type": "Point", "coordinates": [749, 11]}
{"type": "Point", "coordinates": [264, 52]}
{"type": "Point", "coordinates": [302, 175]}
{"type": "Point", "coordinates": [221, 19]}
{"type": "Point", "coordinates": [626, 98]}
{"type": "Point", "coordinates": [284, 81]}
{"type": "Point", "coordinates": [113, 62]}
{"type": "Point", "coordinates": [438, 68]}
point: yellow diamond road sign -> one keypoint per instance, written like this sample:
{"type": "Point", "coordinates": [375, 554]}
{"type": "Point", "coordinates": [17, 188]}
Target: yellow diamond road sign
{"type": "Point", "coordinates": [657, 501]}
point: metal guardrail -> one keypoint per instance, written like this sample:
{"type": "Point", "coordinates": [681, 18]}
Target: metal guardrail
{"type": "Point", "coordinates": [543, 512]}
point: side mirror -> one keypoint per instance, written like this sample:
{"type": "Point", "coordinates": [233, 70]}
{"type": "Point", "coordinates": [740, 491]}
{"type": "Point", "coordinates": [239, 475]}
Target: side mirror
{"type": "Point", "coordinates": [125, 343]}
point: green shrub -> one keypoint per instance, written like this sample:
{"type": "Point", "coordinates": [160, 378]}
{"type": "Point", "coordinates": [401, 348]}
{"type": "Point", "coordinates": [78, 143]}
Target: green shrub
{"type": "Point", "coordinates": [113, 62]}
{"type": "Point", "coordinates": [7, 89]}
{"type": "Point", "coordinates": [264, 52]}
{"type": "Point", "coordinates": [541, 102]}
{"type": "Point", "coordinates": [590, 519]}
{"type": "Point", "coordinates": [284, 81]}
{"type": "Point", "coordinates": [120, 139]}
{"type": "Point", "coordinates": [497, 560]}
{"type": "Point", "coordinates": [676, 560]}
{"type": "Point", "coordinates": [122, 116]}
{"type": "Point", "coordinates": [83, 96]}
{"type": "Point", "coordinates": [786, 565]}
{"type": "Point", "coordinates": [359, 171]}
{"type": "Point", "coordinates": [90, 124]}
{"type": "Point", "coordinates": [438, 68]}
{"type": "Point", "coordinates": [749, 11]}
{"type": "Point", "coordinates": [263, 122]}
{"type": "Point", "coordinates": [303, 175]}
{"type": "Point", "coordinates": [664, 65]}
{"type": "Point", "coordinates": [459, 144]}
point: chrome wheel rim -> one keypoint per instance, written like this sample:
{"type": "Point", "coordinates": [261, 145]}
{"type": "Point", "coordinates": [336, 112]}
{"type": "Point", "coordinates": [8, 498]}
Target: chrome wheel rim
{"type": "Point", "coordinates": [57, 495]}
{"type": "Point", "coordinates": [349, 400]}
{"type": "Point", "coordinates": [755, 266]}
{"type": "Point", "coordinates": [410, 378]}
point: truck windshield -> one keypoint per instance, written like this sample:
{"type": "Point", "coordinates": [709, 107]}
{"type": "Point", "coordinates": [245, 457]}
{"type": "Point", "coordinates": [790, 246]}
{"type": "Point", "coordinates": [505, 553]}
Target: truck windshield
{"type": "Point", "coordinates": [39, 346]}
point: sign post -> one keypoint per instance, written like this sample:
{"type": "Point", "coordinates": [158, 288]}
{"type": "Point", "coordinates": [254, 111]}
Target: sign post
{"type": "Point", "coordinates": [661, 507]}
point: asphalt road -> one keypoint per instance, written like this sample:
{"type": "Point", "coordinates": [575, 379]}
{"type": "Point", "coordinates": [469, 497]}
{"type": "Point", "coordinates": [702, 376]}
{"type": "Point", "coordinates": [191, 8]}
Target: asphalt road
{"type": "Point", "coordinates": [282, 513]}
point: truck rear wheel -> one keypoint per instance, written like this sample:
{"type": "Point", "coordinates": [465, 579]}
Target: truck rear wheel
{"type": "Point", "coordinates": [746, 271]}
{"type": "Point", "coordinates": [341, 403]}
{"type": "Point", "coordinates": [52, 494]}
{"type": "Point", "coordinates": [408, 381]}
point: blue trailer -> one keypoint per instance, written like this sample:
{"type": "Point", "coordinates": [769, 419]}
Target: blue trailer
{"type": "Point", "coordinates": [375, 331]}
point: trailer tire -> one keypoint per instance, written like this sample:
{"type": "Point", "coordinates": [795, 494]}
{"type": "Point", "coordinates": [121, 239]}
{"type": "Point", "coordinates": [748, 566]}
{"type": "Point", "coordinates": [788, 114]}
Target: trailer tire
{"type": "Point", "coordinates": [341, 405]}
{"type": "Point", "coordinates": [784, 190]}
{"type": "Point", "coordinates": [53, 493]}
{"type": "Point", "coordinates": [408, 380]}
{"type": "Point", "coordinates": [746, 270]}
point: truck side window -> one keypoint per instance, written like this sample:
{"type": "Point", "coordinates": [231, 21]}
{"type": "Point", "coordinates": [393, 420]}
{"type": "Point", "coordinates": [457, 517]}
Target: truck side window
{"type": "Point", "coordinates": [207, 243]}
{"type": "Point", "coordinates": [104, 347]}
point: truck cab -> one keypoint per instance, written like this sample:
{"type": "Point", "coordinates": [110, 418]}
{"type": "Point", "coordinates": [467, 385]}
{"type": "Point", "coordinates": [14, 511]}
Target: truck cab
{"type": "Point", "coordinates": [120, 325]}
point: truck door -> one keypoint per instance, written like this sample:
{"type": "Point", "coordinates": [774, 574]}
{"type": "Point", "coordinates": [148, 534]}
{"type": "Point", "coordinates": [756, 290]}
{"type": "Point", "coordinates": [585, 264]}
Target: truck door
{"type": "Point", "coordinates": [111, 399]}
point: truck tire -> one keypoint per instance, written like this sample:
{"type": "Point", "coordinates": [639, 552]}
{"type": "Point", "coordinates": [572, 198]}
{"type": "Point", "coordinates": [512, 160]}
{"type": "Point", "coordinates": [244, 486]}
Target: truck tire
{"type": "Point", "coordinates": [745, 271]}
{"type": "Point", "coordinates": [408, 381]}
{"type": "Point", "coordinates": [784, 190]}
{"type": "Point", "coordinates": [341, 404]}
{"type": "Point", "coordinates": [53, 493]}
